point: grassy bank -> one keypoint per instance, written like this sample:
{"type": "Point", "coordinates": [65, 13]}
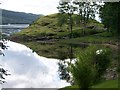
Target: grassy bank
{"type": "Point", "coordinates": [106, 85]}
{"type": "Point", "coordinates": [99, 38]}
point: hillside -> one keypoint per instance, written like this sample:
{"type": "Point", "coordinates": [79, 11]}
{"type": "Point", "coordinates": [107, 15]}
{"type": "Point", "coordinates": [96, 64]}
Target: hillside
{"type": "Point", "coordinates": [47, 28]}
{"type": "Point", "coordinates": [18, 17]}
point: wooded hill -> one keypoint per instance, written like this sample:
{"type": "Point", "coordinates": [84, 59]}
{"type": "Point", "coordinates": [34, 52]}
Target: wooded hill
{"type": "Point", "coordinates": [9, 17]}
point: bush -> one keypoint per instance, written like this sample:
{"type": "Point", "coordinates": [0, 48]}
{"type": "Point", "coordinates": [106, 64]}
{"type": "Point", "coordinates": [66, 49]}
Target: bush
{"type": "Point", "coordinates": [102, 60]}
{"type": "Point", "coordinates": [90, 66]}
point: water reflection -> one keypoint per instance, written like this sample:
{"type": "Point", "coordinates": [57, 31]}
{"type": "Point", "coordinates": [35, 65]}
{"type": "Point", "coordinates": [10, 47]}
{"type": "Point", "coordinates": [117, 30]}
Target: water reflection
{"type": "Point", "coordinates": [3, 72]}
{"type": "Point", "coordinates": [65, 64]}
{"type": "Point", "coordinates": [28, 69]}
{"type": "Point", "coordinates": [65, 53]}
{"type": "Point", "coordinates": [55, 50]}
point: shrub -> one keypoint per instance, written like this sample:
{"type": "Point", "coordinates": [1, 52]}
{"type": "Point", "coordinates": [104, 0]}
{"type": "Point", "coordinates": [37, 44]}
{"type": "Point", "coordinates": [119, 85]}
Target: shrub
{"type": "Point", "coordinates": [102, 60]}
{"type": "Point", "coordinates": [90, 66]}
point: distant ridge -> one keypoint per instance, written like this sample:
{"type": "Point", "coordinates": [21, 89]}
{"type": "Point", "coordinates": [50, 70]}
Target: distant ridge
{"type": "Point", "coordinates": [12, 17]}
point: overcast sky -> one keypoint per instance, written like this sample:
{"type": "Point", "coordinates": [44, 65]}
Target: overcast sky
{"type": "Point", "coordinates": [45, 7]}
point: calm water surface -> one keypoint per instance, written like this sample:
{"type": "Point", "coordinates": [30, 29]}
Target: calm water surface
{"type": "Point", "coordinates": [28, 69]}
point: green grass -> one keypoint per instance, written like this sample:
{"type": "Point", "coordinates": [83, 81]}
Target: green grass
{"type": "Point", "coordinates": [107, 84]}
{"type": "Point", "coordinates": [99, 38]}
{"type": "Point", "coordinates": [110, 84]}
{"type": "Point", "coordinates": [47, 27]}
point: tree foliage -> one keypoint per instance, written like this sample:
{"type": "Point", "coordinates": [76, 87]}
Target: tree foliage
{"type": "Point", "coordinates": [86, 10]}
{"type": "Point", "coordinates": [66, 7]}
{"type": "Point", "coordinates": [82, 10]}
{"type": "Point", "coordinates": [110, 14]}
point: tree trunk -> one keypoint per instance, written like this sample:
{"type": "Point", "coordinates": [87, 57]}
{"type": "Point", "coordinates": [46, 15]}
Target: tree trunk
{"type": "Point", "coordinates": [71, 33]}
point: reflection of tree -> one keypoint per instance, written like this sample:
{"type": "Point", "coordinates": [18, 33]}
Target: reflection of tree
{"type": "Point", "coordinates": [62, 55]}
{"type": "Point", "coordinates": [64, 64]}
{"type": "Point", "coordinates": [3, 72]}
{"type": "Point", "coordinates": [63, 72]}
{"type": "Point", "coordinates": [66, 60]}
{"type": "Point", "coordinates": [70, 53]}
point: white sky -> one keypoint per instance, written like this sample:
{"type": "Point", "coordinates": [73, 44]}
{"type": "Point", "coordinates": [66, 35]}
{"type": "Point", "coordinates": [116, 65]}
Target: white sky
{"type": "Point", "coordinates": [45, 7]}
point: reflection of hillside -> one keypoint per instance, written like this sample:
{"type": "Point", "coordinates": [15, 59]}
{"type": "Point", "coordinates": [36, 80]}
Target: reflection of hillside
{"type": "Point", "coordinates": [55, 50]}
